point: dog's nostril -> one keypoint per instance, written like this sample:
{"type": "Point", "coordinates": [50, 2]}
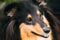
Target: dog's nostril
{"type": "Point", "coordinates": [46, 29]}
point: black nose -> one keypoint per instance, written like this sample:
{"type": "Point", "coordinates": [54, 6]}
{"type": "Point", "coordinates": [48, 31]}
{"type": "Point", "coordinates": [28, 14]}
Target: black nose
{"type": "Point", "coordinates": [46, 29]}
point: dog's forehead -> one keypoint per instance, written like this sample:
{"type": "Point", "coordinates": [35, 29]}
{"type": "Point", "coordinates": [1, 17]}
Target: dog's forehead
{"type": "Point", "coordinates": [38, 12]}
{"type": "Point", "coordinates": [28, 8]}
{"type": "Point", "coordinates": [31, 14]}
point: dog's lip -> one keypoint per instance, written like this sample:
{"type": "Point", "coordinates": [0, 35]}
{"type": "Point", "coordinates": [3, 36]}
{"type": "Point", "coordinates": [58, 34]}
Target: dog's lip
{"type": "Point", "coordinates": [44, 36]}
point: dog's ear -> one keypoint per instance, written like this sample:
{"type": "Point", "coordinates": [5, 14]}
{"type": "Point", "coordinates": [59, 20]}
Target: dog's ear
{"type": "Point", "coordinates": [10, 9]}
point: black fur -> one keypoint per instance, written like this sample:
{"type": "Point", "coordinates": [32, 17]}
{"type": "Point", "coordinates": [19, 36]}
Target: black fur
{"type": "Point", "coordinates": [22, 9]}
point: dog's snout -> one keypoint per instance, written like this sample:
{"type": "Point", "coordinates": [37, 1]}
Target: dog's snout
{"type": "Point", "coordinates": [46, 29]}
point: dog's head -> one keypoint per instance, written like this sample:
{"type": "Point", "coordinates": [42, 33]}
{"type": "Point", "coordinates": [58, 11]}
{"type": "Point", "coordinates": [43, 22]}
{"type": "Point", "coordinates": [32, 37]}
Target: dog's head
{"type": "Point", "coordinates": [31, 21]}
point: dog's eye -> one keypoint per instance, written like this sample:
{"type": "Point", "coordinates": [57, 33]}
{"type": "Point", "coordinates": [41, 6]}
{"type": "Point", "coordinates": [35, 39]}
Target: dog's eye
{"type": "Point", "coordinates": [41, 15]}
{"type": "Point", "coordinates": [29, 19]}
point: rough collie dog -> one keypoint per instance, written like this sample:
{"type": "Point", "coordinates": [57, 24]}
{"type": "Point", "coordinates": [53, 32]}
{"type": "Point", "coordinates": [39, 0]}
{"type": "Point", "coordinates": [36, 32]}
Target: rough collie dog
{"type": "Point", "coordinates": [26, 21]}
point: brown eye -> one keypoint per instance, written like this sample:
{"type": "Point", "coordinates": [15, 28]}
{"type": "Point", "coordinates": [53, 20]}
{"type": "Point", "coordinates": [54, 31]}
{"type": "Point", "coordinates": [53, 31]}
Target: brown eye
{"type": "Point", "coordinates": [29, 19]}
{"type": "Point", "coordinates": [40, 15]}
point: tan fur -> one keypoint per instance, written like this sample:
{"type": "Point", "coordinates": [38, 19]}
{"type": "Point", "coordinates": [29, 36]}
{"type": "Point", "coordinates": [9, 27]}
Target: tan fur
{"type": "Point", "coordinates": [27, 35]}
{"type": "Point", "coordinates": [26, 29]}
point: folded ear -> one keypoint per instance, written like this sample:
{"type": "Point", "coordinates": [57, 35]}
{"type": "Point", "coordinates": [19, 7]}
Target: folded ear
{"type": "Point", "coordinates": [10, 9]}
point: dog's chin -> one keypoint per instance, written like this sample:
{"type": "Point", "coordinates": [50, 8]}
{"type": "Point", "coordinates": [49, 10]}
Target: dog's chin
{"type": "Point", "coordinates": [43, 36]}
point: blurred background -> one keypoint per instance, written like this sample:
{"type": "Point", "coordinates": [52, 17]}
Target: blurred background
{"type": "Point", "coordinates": [53, 4]}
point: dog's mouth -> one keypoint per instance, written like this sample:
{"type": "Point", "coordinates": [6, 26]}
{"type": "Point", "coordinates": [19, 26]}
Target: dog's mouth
{"type": "Point", "coordinates": [44, 36]}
